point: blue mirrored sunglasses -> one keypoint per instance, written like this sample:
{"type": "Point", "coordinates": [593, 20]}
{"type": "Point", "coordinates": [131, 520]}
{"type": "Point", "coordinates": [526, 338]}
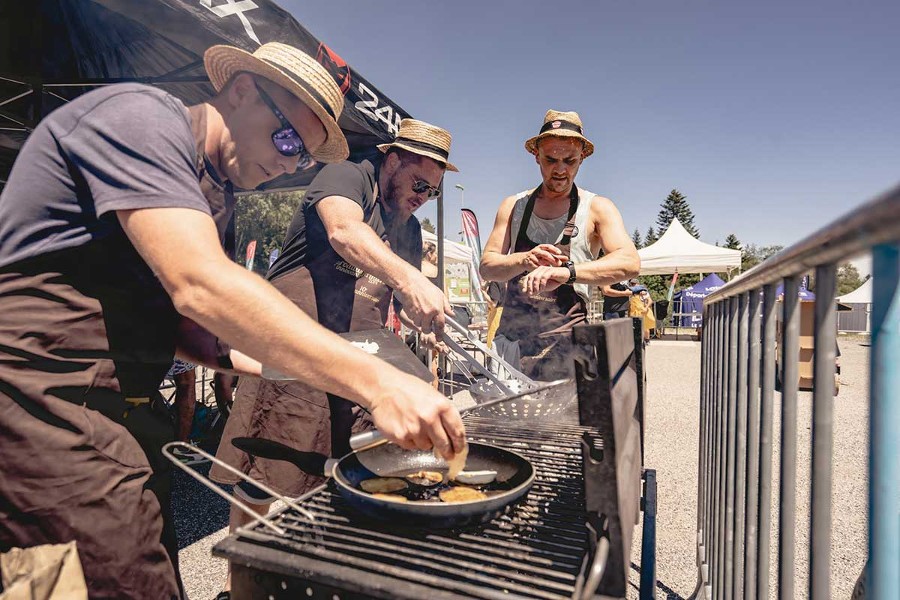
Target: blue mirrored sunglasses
{"type": "Point", "coordinates": [286, 139]}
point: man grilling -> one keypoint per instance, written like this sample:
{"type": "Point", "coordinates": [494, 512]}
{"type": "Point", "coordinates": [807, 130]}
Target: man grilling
{"type": "Point", "coordinates": [544, 244]}
{"type": "Point", "coordinates": [108, 196]}
{"type": "Point", "coordinates": [352, 243]}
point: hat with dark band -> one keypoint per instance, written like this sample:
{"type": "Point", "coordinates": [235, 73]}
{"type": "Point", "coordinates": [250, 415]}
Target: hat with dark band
{"type": "Point", "coordinates": [561, 124]}
{"type": "Point", "coordinates": [423, 138]}
{"type": "Point", "coordinates": [295, 71]}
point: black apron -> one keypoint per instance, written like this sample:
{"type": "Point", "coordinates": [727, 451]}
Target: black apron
{"type": "Point", "coordinates": [542, 324]}
{"type": "Point", "coordinates": [342, 298]}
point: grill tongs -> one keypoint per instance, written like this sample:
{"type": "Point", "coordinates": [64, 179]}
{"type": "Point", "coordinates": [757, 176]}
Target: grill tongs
{"type": "Point", "coordinates": [502, 386]}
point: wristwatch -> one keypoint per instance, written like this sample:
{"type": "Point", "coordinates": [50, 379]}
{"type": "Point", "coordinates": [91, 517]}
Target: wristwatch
{"type": "Point", "coordinates": [571, 267]}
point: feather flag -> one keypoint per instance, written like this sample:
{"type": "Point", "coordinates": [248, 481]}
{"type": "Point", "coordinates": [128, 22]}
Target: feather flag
{"type": "Point", "coordinates": [672, 287]}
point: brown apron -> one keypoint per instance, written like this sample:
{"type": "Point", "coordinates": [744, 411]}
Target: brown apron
{"type": "Point", "coordinates": [342, 298]}
{"type": "Point", "coordinates": [542, 324]}
{"type": "Point", "coordinates": [86, 336]}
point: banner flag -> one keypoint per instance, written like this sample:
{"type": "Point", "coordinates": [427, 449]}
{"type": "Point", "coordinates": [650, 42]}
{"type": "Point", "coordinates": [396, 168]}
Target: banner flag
{"type": "Point", "coordinates": [473, 241]}
{"type": "Point", "coordinates": [672, 287]}
{"type": "Point", "coordinates": [251, 253]}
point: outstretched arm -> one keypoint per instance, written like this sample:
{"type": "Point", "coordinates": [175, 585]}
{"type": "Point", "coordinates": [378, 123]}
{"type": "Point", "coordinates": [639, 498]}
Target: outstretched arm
{"type": "Point", "coordinates": [250, 315]}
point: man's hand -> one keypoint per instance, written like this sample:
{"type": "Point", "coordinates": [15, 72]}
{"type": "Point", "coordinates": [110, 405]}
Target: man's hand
{"type": "Point", "coordinates": [415, 416]}
{"type": "Point", "coordinates": [543, 255]}
{"type": "Point", "coordinates": [432, 343]}
{"type": "Point", "coordinates": [544, 279]}
{"type": "Point", "coordinates": [424, 303]}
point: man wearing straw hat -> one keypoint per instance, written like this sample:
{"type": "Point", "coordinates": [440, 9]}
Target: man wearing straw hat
{"type": "Point", "coordinates": [544, 245]}
{"type": "Point", "coordinates": [352, 243]}
{"type": "Point", "coordinates": [107, 197]}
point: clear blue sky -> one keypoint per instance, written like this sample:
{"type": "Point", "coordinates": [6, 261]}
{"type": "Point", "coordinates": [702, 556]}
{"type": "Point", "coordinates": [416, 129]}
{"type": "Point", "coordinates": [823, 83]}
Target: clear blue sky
{"type": "Point", "coordinates": [772, 118]}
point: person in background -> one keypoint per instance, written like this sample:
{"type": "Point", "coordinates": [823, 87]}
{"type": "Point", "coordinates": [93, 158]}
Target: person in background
{"type": "Point", "coordinates": [615, 300]}
{"type": "Point", "coordinates": [544, 244]}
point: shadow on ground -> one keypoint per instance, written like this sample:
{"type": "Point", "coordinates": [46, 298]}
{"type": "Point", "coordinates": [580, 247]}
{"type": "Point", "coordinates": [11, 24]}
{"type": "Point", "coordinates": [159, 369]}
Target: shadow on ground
{"type": "Point", "coordinates": [663, 592]}
{"type": "Point", "coordinates": [197, 510]}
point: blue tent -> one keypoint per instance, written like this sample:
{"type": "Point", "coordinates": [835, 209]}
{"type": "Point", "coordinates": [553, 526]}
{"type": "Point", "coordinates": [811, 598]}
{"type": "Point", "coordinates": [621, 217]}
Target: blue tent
{"type": "Point", "coordinates": [690, 300]}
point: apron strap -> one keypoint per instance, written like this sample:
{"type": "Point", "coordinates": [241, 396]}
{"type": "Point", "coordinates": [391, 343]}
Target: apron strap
{"type": "Point", "coordinates": [522, 235]}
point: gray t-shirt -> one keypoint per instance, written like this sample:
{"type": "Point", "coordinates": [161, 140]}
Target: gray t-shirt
{"type": "Point", "coordinates": [120, 147]}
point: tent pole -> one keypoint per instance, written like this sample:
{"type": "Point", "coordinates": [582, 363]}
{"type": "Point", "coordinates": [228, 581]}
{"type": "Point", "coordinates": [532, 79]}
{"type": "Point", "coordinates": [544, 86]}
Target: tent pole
{"type": "Point", "coordinates": [440, 237]}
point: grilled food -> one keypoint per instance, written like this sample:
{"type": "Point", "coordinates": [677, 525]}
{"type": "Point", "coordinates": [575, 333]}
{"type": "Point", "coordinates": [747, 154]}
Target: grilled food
{"type": "Point", "coordinates": [383, 485]}
{"type": "Point", "coordinates": [426, 478]}
{"type": "Point", "coordinates": [391, 497]}
{"type": "Point", "coordinates": [457, 463]}
{"type": "Point", "coordinates": [461, 494]}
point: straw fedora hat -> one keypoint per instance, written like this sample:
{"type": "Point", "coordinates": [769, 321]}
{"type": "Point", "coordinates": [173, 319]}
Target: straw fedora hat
{"type": "Point", "coordinates": [295, 71]}
{"type": "Point", "coordinates": [423, 138]}
{"type": "Point", "coordinates": [561, 124]}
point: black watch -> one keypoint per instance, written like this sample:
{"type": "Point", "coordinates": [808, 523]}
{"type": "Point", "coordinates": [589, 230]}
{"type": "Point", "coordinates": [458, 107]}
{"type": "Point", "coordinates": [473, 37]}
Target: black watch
{"type": "Point", "coordinates": [571, 267]}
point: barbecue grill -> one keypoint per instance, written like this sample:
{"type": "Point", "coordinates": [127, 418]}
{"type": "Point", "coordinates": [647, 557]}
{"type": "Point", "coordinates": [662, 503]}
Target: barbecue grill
{"type": "Point", "coordinates": [570, 536]}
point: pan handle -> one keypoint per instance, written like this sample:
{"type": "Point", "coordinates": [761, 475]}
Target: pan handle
{"type": "Point", "coordinates": [367, 438]}
{"type": "Point", "coordinates": [167, 452]}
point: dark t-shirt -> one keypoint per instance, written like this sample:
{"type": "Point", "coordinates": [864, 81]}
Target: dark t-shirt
{"type": "Point", "coordinates": [616, 303]}
{"type": "Point", "coordinates": [307, 238]}
{"type": "Point", "coordinates": [120, 147]}
{"type": "Point", "coordinates": [78, 305]}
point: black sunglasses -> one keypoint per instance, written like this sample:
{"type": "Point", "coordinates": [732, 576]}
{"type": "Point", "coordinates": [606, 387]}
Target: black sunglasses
{"type": "Point", "coordinates": [286, 139]}
{"type": "Point", "coordinates": [420, 187]}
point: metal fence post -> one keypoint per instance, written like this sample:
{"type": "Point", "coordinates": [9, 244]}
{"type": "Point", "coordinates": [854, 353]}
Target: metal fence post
{"type": "Point", "coordinates": [884, 423]}
{"type": "Point", "coordinates": [751, 543]}
{"type": "Point", "coordinates": [790, 354]}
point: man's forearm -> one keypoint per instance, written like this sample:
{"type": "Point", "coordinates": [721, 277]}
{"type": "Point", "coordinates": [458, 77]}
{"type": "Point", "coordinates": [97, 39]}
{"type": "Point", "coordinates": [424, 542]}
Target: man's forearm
{"type": "Point", "coordinates": [262, 323]}
{"type": "Point", "coordinates": [501, 267]}
{"type": "Point", "coordinates": [614, 267]}
{"type": "Point", "coordinates": [359, 245]}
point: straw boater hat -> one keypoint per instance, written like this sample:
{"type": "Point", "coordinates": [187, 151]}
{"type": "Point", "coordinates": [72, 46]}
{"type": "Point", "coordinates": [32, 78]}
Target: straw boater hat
{"type": "Point", "coordinates": [295, 71]}
{"type": "Point", "coordinates": [561, 124]}
{"type": "Point", "coordinates": [423, 138]}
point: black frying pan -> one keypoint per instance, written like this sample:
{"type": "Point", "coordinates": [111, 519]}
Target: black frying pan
{"type": "Point", "coordinates": [514, 478]}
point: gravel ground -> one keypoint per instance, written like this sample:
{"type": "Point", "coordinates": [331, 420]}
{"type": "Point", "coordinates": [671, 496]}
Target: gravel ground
{"type": "Point", "coordinates": [672, 431]}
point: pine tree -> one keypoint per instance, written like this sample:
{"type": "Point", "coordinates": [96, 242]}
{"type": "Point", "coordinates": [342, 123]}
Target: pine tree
{"type": "Point", "coordinates": [676, 205]}
{"type": "Point", "coordinates": [636, 238]}
{"type": "Point", "coordinates": [732, 242]}
{"type": "Point", "coordinates": [650, 238]}
{"type": "Point", "coordinates": [427, 225]}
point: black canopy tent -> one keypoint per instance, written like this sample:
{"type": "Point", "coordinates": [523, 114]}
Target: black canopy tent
{"type": "Point", "coordinates": [54, 50]}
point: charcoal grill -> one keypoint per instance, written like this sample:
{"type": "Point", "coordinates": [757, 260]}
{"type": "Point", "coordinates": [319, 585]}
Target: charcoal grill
{"type": "Point", "coordinates": [570, 532]}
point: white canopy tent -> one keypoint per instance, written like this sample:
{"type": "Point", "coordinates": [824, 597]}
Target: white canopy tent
{"type": "Point", "coordinates": [861, 295]}
{"type": "Point", "coordinates": [679, 251]}
{"type": "Point", "coordinates": [859, 317]}
{"type": "Point", "coordinates": [454, 252]}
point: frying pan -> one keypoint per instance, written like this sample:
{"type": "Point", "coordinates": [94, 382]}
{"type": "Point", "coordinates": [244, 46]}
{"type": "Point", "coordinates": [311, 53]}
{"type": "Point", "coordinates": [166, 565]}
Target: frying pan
{"type": "Point", "coordinates": [515, 476]}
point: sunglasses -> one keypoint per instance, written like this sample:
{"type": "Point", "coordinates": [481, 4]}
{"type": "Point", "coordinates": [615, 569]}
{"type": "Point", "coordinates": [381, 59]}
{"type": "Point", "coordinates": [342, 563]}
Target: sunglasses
{"type": "Point", "coordinates": [420, 187]}
{"type": "Point", "coordinates": [286, 139]}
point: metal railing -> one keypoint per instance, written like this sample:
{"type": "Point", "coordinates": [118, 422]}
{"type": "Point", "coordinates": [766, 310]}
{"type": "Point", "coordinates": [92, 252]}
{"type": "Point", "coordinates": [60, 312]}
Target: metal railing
{"type": "Point", "coordinates": [737, 398]}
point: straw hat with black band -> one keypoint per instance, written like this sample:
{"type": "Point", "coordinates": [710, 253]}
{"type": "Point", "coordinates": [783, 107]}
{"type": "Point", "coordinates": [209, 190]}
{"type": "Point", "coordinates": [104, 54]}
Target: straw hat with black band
{"type": "Point", "coordinates": [561, 124]}
{"type": "Point", "coordinates": [295, 71]}
{"type": "Point", "coordinates": [425, 139]}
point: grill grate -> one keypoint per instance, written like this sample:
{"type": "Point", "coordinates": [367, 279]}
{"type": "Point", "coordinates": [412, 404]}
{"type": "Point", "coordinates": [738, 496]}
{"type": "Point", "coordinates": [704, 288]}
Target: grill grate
{"type": "Point", "coordinates": [534, 550]}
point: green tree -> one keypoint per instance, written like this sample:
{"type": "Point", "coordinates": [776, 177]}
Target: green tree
{"type": "Point", "coordinates": [636, 238]}
{"type": "Point", "coordinates": [676, 205]}
{"type": "Point", "coordinates": [264, 218]}
{"type": "Point", "coordinates": [650, 238]}
{"type": "Point", "coordinates": [752, 255]}
{"type": "Point", "coordinates": [427, 225]}
{"type": "Point", "coordinates": [732, 242]}
{"type": "Point", "coordinates": [848, 279]}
